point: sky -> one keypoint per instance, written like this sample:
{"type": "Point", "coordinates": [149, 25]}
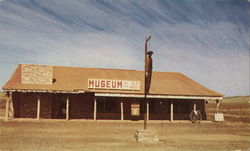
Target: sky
{"type": "Point", "coordinates": [207, 40]}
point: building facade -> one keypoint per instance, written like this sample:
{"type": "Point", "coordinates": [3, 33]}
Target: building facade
{"type": "Point", "coordinates": [57, 92]}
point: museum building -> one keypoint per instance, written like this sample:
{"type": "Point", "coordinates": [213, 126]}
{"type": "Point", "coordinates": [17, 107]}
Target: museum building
{"type": "Point", "coordinates": [59, 92]}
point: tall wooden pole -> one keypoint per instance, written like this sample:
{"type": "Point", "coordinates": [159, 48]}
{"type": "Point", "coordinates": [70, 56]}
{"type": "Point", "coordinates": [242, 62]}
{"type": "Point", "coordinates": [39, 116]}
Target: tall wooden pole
{"type": "Point", "coordinates": [147, 110]}
{"type": "Point", "coordinates": [145, 77]}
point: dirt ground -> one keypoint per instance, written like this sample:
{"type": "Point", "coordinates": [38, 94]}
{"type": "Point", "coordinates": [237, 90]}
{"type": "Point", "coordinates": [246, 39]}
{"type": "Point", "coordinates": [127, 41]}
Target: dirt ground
{"type": "Point", "coordinates": [81, 135]}
{"type": "Point", "coordinates": [78, 135]}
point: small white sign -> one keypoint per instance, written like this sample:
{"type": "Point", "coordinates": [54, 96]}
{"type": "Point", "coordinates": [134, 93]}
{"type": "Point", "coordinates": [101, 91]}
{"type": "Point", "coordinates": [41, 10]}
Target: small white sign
{"type": "Point", "coordinates": [135, 109]}
{"type": "Point", "coordinates": [218, 117]}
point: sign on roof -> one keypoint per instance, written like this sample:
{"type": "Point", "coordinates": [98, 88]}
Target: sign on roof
{"type": "Point", "coordinates": [113, 84]}
{"type": "Point", "coordinates": [36, 74]}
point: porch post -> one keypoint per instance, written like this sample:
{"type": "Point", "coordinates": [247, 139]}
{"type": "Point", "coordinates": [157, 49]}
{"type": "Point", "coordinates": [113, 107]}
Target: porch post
{"type": "Point", "coordinates": [147, 110]}
{"type": "Point", "coordinates": [95, 108]}
{"type": "Point", "coordinates": [194, 106]}
{"type": "Point", "coordinates": [172, 111]}
{"type": "Point", "coordinates": [38, 108]}
{"type": "Point", "coordinates": [11, 108]}
{"type": "Point", "coordinates": [7, 106]}
{"type": "Point", "coordinates": [122, 111]}
{"type": "Point", "coordinates": [217, 106]}
{"type": "Point", "coordinates": [67, 108]}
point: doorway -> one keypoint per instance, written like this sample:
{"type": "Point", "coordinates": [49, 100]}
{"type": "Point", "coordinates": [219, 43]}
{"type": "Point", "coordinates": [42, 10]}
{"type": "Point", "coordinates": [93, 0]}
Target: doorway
{"type": "Point", "coordinates": [58, 107]}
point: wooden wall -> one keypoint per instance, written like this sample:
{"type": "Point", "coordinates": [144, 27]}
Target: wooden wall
{"type": "Point", "coordinates": [82, 106]}
{"type": "Point", "coordinates": [45, 105]}
{"type": "Point", "coordinates": [51, 105]}
{"type": "Point", "coordinates": [16, 104]}
{"type": "Point", "coordinates": [25, 105]}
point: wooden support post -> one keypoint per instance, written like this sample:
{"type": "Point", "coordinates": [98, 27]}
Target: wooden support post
{"type": "Point", "coordinates": [147, 110]}
{"type": "Point", "coordinates": [67, 108]}
{"type": "Point", "coordinates": [122, 111]}
{"type": "Point", "coordinates": [172, 111]}
{"type": "Point", "coordinates": [11, 109]}
{"type": "Point", "coordinates": [217, 106]}
{"type": "Point", "coordinates": [194, 106]}
{"type": "Point", "coordinates": [7, 106]}
{"type": "Point", "coordinates": [38, 108]}
{"type": "Point", "coordinates": [95, 104]}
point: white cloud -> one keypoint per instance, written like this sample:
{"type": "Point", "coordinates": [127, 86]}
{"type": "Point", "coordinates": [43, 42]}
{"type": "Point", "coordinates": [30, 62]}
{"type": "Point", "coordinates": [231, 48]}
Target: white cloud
{"type": "Point", "coordinates": [84, 33]}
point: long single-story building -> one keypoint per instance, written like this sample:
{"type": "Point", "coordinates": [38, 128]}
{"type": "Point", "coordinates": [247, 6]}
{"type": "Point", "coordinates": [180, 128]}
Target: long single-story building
{"type": "Point", "coordinates": [58, 92]}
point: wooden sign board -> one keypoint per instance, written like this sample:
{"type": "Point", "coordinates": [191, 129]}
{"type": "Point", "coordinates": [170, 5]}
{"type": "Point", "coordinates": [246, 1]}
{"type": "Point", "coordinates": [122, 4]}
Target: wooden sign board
{"type": "Point", "coordinates": [135, 109]}
{"type": "Point", "coordinates": [218, 117]}
{"type": "Point", "coordinates": [113, 84]}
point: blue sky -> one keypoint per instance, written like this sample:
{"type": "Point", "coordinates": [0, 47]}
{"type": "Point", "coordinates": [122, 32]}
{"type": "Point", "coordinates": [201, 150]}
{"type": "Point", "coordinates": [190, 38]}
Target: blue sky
{"type": "Point", "coordinates": [207, 40]}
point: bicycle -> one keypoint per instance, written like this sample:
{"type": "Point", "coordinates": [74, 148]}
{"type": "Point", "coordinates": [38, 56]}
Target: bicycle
{"type": "Point", "coordinates": [195, 116]}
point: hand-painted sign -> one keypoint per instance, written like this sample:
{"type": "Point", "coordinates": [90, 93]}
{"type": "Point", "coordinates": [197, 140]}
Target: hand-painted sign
{"type": "Point", "coordinates": [218, 117]}
{"type": "Point", "coordinates": [135, 109]}
{"type": "Point", "coordinates": [113, 84]}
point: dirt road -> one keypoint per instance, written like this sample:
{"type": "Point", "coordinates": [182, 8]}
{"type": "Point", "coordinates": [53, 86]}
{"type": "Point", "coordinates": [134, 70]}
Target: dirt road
{"type": "Point", "coordinates": [51, 135]}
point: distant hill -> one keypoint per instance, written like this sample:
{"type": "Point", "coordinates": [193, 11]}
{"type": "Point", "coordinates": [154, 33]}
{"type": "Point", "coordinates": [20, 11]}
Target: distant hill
{"type": "Point", "coordinates": [236, 109]}
{"type": "Point", "coordinates": [2, 98]}
{"type": "Point", "coordinates": [235, 99]}
{"type": "Point", "coordinates": [1, 94]}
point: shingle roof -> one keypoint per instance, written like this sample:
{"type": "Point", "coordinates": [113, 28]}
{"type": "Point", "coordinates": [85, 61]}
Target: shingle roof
{"type": "Point", "coordinates": [76, 78]}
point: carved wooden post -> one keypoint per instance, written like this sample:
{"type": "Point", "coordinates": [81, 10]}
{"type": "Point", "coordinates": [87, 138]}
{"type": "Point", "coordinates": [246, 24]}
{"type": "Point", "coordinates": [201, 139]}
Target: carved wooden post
{"type": "Point", "coordinates": [38, 108]}
{"type": "Point", "coordinates": [172, 111]}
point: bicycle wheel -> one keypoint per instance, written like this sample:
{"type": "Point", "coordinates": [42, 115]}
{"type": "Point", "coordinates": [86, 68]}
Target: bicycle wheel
{"type": "Point", "coordinates": [195, 116]}
{"type": "Point", "coordinates": [199, 115]}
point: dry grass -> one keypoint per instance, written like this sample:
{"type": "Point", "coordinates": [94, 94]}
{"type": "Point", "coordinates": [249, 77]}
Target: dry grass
{"type": "Point", "coordinates": [235, 109]}
{"type": "Point", "coordinates": [113, 135]}
{"type": "Point", "coordinates": [78, 135]}
{"type": "Point", "coordinates": [2, 104]}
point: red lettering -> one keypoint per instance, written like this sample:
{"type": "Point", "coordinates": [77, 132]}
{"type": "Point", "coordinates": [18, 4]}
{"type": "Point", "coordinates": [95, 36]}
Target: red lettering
{"type": "Point", "coordinates": [102, 84]}
{"type": "Point", "coordinates": [113, 83]}
{"type": "Point", "coordinates": [119, 84]}
{"type": "Point", "coordinates": [97, 83]}
{"type": "Point", "coordinates": [91, 84]}
{"type": "Point", "coordinates": [108, 84]}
